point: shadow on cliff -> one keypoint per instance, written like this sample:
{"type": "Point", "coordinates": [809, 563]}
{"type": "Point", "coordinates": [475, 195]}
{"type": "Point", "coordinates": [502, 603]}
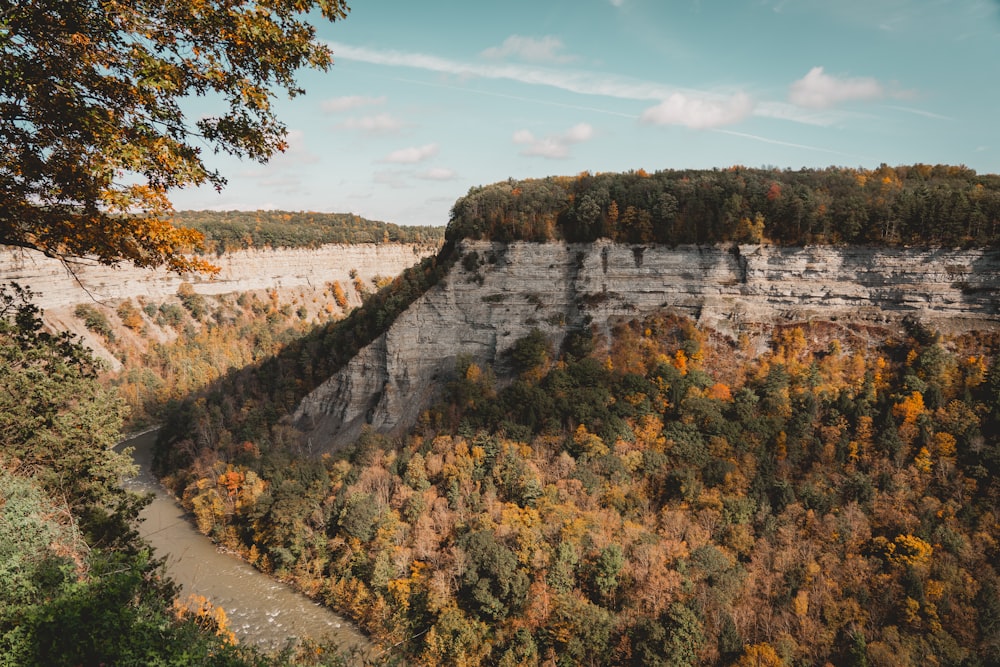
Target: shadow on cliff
{"type": "Point", "coordinates": [247, 404]}
{"type": "Point", "coordinates": [980, 285]}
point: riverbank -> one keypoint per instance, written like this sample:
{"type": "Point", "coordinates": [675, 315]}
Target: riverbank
{"type": "Point", "coordinates": [260, 610]}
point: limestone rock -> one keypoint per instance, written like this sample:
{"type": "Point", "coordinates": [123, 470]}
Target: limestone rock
{"type": "Point", "coordinates": [286, 270]}
{"type": "Point", "coordinates": [483, 307]}
{"type": "Point", "coordinates": [241, 271]}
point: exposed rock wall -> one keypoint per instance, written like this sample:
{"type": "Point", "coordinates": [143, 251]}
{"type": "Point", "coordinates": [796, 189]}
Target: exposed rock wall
{"type": "Point", "coordinates": [239, 272]}
{"type": "Point", "coordinates": [481, 309]}
{"type": "Point", "coordinates": [306, 271]}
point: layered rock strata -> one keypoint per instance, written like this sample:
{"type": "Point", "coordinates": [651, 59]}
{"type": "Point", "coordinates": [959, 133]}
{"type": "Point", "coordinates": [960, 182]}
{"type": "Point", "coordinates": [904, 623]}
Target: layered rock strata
{"type": "Point", "coordinates": [289, 272]}
{"type": "Point", "coordinates": [241, 271]}
{"type": "Point", "coordinates": [498, 293]}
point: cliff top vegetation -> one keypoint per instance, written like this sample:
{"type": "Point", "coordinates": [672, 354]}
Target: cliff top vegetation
{"type": "Point", "coordinates": [907, 205]}
{"type": "Point", "coordinates": [227, 231]}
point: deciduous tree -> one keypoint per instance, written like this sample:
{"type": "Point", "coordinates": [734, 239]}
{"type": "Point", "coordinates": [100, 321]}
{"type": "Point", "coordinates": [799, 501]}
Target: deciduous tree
{"type": "Point", "coordinates": [92, 122]}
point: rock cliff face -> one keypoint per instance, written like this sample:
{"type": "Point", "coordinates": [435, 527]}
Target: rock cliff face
{"type": "Point", "coordinates": [498, 293]}
{"type": "Point", "coordinates": [239, 272]}
{"type": "Point", "coordinates": [301, 271]}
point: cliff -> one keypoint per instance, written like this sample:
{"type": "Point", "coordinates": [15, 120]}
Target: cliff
{"type": "Point", "coordinates": [239, 272]}
{"type": "Point", "coordinates": [286, 270]}
{"type": "Point", "coordinates": [499, 292]}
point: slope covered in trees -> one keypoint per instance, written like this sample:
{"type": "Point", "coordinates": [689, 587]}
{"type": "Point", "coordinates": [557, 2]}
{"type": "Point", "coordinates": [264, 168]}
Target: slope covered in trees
{"type": "Point", "coordinates": [663, 497]}
{"type": "Point", "coordinates": [77, 584]}
{"type": "Point", "coordinates": [906, 205]}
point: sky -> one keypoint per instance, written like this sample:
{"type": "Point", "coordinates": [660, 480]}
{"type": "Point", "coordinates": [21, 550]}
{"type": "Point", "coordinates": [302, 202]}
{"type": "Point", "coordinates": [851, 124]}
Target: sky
{"type": "Point", "coordinates": [428, 99]}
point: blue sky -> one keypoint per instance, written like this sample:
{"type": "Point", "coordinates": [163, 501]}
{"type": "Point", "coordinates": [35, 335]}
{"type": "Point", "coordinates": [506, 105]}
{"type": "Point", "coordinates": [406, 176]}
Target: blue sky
{"type": "Point", "coordinates": [427, 99]}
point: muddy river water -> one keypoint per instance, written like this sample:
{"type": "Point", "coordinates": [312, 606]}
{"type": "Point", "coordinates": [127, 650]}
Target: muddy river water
{"type": "Point", "coordinates": [260, 610]}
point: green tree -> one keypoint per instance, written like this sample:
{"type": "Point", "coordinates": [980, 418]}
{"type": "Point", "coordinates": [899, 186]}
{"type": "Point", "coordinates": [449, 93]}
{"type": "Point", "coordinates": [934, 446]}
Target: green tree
{"type": "Point", "coordinates": [493, 584]}
{"type": "Point", "coordinates": [607, 569]}
{"type": "Point", "coordinates": [92, 122]}
{"type": "Point", "coordinates": [58, 421]}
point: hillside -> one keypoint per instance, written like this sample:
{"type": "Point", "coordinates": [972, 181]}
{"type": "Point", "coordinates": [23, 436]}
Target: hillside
{"type": "Point", "coordinates": [230, 231]}
{"type": "Point", "coordinates": [543, 448]}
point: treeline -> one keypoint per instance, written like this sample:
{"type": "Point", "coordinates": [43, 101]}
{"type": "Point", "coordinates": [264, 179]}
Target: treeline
{"type": "Point", "coordinates": [663, 497]}
{"type": "Point", "coordinates": [907, 205]}
{"type": "Point", "coordinates": [228, 231]}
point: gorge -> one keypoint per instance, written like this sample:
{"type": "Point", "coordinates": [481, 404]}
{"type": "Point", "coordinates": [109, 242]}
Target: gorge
{"type": "Point", "coordinates": [499, 292]}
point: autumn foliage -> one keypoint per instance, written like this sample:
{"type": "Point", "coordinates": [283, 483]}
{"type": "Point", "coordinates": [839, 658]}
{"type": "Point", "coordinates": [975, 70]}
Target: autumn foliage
{"type": "Point", "coordinates": [91, 119]}
{"type": "Point", "coordinates": [809, 494]}
{"type": "Point", "coordinates": [907, 205]}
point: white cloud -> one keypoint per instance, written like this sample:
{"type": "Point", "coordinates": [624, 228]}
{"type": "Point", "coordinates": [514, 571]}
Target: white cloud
{"type": "Point", "coordinates": [436, 174]}
{"type": "Point", "coordinates": [382, 123]}
{"type": "Point", "coordinates": [579, 133]}
{"type": "Point", "coordinates": [544, 49]}
{"type": "Point", "coordinates": [349, 102]}
{"type": "Point", "coordinates": [574, 81]}
{"type": "Point", "coordinates": [818, 90]}
{"type": "Point", "coordinates": [617, 3]}
{"type": "Point", "coordinates": [553, 146]}
{"type": "Point", "coordinates": [523, 137]}
{"type": "Point", "coordinates": [699, 112]}
{"type": "Point", "coordinates": [411, 155]}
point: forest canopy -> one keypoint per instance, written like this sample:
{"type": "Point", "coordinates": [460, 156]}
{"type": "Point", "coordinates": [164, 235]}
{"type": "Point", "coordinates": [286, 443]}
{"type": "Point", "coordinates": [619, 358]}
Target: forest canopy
{"type": "Point", "coordinates": [663, 496]}
{"type": "Point", "coordinates": [906, 205]}
{"type": "Point", "coordinates": [227, 231]}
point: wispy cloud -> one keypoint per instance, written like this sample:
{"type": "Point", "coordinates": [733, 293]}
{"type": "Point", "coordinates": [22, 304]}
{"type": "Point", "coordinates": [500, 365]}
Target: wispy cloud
{"type": "Point", "coordinates": [617, 3]}
{"type": "Point", "coordinates": [819, 90]}
{"type": "Point", "coordinates": [919, 112]}
{"type": "Point", "coordinates": [699, 112]}
{"type": "Point", "coordinates": [553, 146]}
{"type": "Point", "coordinates": [382, 123]}
{"type": "Point", "coordinates": [349, 102]}
{"type": "Point", "coordinates": [779, 142]}
{"type": "Point", "coordinates": [436, 174]}
{"type": "Point", "coordinates": [411, 155]}
{"type": "Point", "coordinates": [391, 177]}
{"type": "Point", "coordinates": [533, 49]}
{"type": "Point", "coordinates": [571, 80]}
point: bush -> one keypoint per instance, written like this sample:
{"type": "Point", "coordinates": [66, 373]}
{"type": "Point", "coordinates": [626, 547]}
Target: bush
{"type": "Point", "coordinates": [95, 321]}
{"type": "Point", "coordinates": [170, 314]}
{"type": "Point", "coordinates": [194, 302]}
{"type": "Point", "coordinates": [130, 315]}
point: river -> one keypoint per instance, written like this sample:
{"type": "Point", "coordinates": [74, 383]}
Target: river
{"type": "Point", "coordinates": [261, 610]}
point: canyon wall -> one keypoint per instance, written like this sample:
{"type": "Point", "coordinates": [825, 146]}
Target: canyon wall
{"type": "Point", "coordinates": [289, 271]}
{"type": "Point", "coordinates": [497, 293]}
{"type": "Point", "coordinates": [242, 271]}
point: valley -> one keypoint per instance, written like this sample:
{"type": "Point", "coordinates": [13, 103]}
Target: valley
{"type": "Point", "coordinates": [616, 419]}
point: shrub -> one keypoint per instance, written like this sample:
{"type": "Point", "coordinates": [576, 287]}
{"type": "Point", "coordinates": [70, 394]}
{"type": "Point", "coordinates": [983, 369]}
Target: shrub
{"type": "Point", "coordinates": [194, 302]}
{"type": "Point", "coordinates": [95, 321]}
{"type": "Point", "coordinates": [130, 315]}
